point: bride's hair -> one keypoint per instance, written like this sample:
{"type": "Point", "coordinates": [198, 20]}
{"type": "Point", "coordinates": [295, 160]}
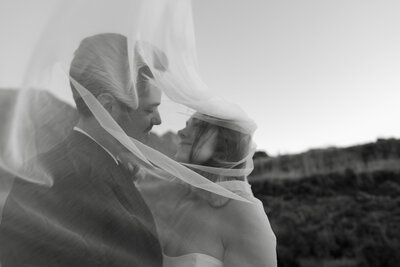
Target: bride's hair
{"type": "Point", "coordinates": [230, 148]}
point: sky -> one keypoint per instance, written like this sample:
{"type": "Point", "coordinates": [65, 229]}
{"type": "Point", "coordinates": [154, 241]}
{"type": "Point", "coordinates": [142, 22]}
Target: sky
{"type": "Point", "coordinates": [311, 73]}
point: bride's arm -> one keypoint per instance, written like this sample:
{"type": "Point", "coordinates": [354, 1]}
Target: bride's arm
{"type": "Point", "coordinates": [248, 237]}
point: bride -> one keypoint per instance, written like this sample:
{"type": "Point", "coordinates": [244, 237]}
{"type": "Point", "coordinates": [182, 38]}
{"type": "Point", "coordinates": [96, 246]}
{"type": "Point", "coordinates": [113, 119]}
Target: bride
{"type": "Point", "coordinates": [198, 228]}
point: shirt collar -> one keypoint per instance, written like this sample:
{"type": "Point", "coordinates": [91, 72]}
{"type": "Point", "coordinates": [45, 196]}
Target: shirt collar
{"type": "Point", "coordinates": [105, 149]}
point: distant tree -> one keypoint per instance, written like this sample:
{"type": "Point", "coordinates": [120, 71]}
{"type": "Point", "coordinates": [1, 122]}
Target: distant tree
{"type": "Point", "coordinates": [260, 154]}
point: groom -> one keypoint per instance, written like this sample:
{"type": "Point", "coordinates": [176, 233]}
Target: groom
{"type": "Point", "coordinates": [92, 215]}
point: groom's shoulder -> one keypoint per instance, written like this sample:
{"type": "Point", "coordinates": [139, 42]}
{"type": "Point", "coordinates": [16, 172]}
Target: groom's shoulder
{"type": "Point", "coordinates": [63, 151]}
{"type": "Point", "coordinates": [76, 145]}
{"type": "Point", "coordinates": [76, 154]}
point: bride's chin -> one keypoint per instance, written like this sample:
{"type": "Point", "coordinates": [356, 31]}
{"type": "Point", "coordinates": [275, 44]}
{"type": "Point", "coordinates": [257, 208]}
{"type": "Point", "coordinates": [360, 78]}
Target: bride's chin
{"type": "Point", "coordinates": [180, 157]}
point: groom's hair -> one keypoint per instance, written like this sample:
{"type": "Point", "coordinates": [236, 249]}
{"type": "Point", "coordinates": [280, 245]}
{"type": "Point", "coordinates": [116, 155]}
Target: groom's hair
{"type": "Point", "coordinates": [101, 65]}
{"type": "Point", "coordinates": [159, 61]}
{"type": "Point", "coordinates": [143, 76]}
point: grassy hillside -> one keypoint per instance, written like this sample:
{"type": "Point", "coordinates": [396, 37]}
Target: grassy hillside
{"type": "Point", "coordinates": [336, 207]}
{"type": "Point", "coordinates": [335, 220]}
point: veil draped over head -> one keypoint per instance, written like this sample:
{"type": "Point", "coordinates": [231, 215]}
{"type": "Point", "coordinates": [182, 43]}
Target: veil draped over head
{"type": "Point", "coordinates": [92, 46]}
{"type": "Point", "coordinates": [156, 34]}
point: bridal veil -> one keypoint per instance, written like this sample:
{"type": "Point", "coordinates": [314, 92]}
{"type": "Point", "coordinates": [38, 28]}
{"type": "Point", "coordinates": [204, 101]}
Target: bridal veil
{"type": "Point", "coordinates": [159, 35]}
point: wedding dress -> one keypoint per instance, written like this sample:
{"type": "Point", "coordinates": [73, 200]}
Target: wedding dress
{"type": "Point", "coordinates": [254, 212]}
{"type": "Point", "coordinates": [200, 259]}
{"type": "Point", "coordinates": [191, 260]}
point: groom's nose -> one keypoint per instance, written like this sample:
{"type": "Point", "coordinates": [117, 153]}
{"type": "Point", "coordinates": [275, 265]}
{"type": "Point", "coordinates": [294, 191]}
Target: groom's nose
{"type": "Point", "coordinates": [156, 120]}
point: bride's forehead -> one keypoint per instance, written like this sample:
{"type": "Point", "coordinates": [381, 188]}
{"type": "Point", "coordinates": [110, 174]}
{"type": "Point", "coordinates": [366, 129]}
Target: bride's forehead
{"type": "Point", "coordinates": [193, 121]}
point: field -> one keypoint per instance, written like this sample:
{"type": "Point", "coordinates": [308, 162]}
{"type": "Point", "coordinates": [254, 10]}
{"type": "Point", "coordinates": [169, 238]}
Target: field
{"type": "Point", "coordinates": [346, 218]}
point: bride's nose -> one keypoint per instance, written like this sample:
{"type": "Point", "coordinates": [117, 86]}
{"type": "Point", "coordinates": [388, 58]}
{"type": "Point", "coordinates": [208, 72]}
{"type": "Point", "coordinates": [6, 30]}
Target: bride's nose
{"type": "Point", "coordinates": [181, 133]}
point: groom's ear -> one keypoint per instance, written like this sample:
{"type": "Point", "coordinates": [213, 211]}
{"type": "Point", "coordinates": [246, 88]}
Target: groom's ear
{"type": "Point", "coordinates": [108, 101]}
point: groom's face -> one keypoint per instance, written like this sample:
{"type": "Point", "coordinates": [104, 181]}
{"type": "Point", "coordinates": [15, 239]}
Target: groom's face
{"type": "Point", "coordinates": [138, 123]}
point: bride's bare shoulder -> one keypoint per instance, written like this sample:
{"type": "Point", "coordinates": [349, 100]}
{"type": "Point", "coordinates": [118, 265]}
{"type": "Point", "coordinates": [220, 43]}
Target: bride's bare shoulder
{"type": "Point", "coordinates": [243, 215]}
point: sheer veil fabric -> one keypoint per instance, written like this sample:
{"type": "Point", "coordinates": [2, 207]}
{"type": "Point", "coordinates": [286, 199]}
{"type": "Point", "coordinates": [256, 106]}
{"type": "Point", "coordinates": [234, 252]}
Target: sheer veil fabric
{"type": "Point", "coordinates": [157, 35]}
{"type": "Point", "coordinates": [152, 28]}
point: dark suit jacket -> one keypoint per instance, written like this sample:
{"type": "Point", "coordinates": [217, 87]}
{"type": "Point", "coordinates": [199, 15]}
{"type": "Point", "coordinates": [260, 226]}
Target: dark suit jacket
{"type": "Point", "coordinates": [92, 215]}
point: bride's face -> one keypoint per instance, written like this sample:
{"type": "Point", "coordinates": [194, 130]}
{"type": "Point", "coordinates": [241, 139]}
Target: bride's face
{"type": "Point", "coordinates": [195, 146]}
